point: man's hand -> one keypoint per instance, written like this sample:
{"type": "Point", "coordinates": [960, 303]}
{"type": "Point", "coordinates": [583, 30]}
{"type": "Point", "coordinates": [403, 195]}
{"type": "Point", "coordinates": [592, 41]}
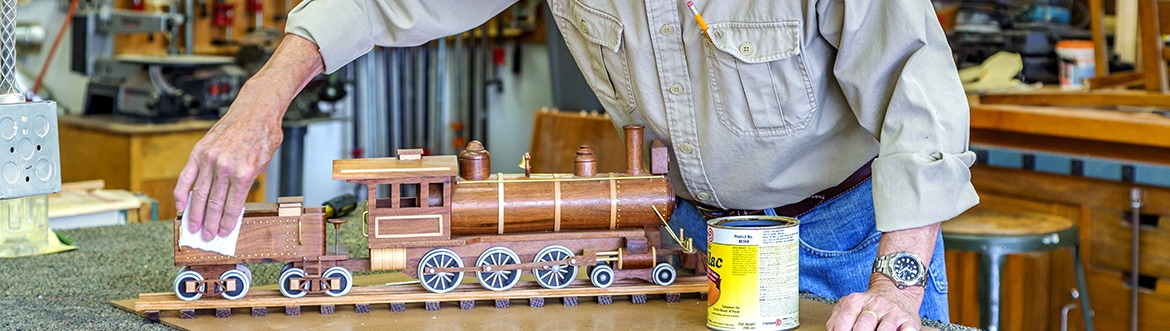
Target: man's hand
{"type": "Point", "coordinates": [224, 164]}
{"type": "Point", "coordinates": [884, 306]}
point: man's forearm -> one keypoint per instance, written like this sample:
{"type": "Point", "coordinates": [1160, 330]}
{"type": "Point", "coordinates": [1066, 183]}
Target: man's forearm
{"type": "Point", "coordinates": [920, 241]}
{"type": "Point", "coordinates": [294, 63]}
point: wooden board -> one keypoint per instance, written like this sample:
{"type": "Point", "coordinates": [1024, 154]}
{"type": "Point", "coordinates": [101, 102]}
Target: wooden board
{"type": "Point", "coordinates": [1098, 98]}
{"type": "Point", "coordinates": [373, 168]}
{"type": "Point", "coordinates": [656, 314]}
{"type": "Point", "coordinates": [557, 134]}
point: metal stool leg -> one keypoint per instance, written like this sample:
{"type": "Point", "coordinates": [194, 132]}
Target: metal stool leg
{"type": "Point", "coordinates": [1082, 285]}
{"type": "Point", "coordinates": [990, 275]}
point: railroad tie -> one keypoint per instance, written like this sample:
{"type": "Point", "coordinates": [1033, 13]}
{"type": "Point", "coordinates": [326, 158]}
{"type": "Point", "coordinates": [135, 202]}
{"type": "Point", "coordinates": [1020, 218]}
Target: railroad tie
{"type": "Point", "coordinates": [397, 307]}
{"type": "Point", "coordinates": [292, 310]}
{"type": "Point", "coordinates": [536, 302]}
{"type": "Point", "coordinates": [503, 303]}
{"type": "Point", "coordinates": [223, 312]}
{"type": "Point", "coordinates": [638, 298]}
{"type": "Point", "coordinates": [361, 308]}
{"type": "Point", "coordinates": [673, 297]}
{"type": "Point", "coordinates": [186, 314]}
{"type": "Point", "coordinates": [259, 311]}
{"type": "Point", "coordinates": [432, 305]}
{"type": "Point", "coordinates": [604, 299]}
{"type": "Point", "coordinates": [569, 301]}
{"type": "Point", "coordinates": [328, 309]}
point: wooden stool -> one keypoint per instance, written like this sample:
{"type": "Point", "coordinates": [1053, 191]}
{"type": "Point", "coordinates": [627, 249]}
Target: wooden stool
{"type": "Point", "coordinates": [994, 235]}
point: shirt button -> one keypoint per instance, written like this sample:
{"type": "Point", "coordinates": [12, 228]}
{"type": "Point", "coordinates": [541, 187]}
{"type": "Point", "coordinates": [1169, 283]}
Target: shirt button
{"type": "Point", "coordinates": [703, 196]}
{"type": "Point", "coordinates": [746, 49]}
{"type": "Point", "coordinates": [718, 34]}
{"type": "Point", "coordinates": [584, 28]}
{"type": "Point", "coordinates": [666, 29]}
{"type": "Point", "coordinates": [676, 88]}
{"type": "Point", "coordinates": [686, 148]}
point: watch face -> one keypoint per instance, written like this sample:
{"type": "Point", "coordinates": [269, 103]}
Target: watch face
{"type": "Point", "coordinates": [906, 268]}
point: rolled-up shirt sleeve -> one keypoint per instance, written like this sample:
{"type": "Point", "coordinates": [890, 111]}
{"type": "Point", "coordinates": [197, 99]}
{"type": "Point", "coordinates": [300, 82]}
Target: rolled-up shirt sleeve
{"type": "Point", "coordinates": [346, 29]}
{"type": "Point", "coordinates": [895, 68]}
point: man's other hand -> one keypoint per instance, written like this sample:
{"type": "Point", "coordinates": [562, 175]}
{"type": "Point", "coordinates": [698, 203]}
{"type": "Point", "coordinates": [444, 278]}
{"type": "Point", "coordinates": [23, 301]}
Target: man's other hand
{"type": "Point", "coordinates": [882, 307]}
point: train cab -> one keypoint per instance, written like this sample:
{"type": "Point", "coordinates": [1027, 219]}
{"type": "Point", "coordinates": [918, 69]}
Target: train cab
{"type": "Point", "coordinates": [409, 196]}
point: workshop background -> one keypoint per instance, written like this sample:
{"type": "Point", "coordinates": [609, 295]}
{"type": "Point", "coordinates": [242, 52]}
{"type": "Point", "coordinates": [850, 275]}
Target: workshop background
{"type": "Point", "coordinates": [1070, 118]}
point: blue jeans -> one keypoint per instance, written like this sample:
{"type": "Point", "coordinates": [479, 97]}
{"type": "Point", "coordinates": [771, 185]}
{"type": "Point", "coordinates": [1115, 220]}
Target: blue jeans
{"type": "Point", "coordinates": [838, 244]}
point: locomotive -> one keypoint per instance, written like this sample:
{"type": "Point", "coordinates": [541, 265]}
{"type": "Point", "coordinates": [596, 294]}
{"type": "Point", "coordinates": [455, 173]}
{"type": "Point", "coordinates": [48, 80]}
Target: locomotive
{"type": "Point", "coordinates": [438, 218]}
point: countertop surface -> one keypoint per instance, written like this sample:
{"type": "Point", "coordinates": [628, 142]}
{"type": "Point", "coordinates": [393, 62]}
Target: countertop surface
{"type": "Point", "coordinates": [73, 290]}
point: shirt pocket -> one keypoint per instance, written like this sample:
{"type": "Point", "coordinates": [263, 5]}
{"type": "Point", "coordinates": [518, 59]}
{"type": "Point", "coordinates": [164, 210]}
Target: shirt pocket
{"type": "Point", "coordinates": [595, 39]}
{"type": "Point", "coordinates": [759, 80]}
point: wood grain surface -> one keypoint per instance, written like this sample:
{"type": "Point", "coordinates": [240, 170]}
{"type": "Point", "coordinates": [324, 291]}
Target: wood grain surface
{"type": "Point", "coordinates": [656, 314]}
{"type": "Point", "coordinates": [1000, 223]}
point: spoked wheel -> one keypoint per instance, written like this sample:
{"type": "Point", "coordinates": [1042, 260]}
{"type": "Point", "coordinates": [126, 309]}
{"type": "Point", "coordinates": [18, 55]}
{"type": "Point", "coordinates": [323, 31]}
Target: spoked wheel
{"type": "Point", "coordinates": [286, 286]}
{"type": "Point", "coordinates": [555, 276]}
{"type": "Point", "coordinates": [345, 282]}
{"type": "Point", "coordinates": [601, 276]}
{"type": "Point", "coordinates": [243, 282]}
{"type": "Point", "coordinates": [436, 281]}
{"type": "Point", "coordinates": [663, 274]}
{"type": "Point", "coordinates": [180, 287]}
{"type": "Point", "coordinates": [498, 280]}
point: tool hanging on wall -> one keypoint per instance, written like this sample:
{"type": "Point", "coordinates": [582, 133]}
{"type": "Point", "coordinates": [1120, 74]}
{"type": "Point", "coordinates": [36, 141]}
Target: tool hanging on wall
{"type": "Point", "coordinates": [225, 13]}
{"type": "Point", "coordinates": [256, 7]}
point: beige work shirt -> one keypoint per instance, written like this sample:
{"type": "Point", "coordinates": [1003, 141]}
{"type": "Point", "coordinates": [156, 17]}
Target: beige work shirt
{"type": "Point", "coordinates": [787, 98]}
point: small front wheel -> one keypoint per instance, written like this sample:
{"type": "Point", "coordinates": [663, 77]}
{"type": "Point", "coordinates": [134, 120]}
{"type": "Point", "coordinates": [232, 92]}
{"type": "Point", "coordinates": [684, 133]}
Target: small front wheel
{"type": "Point", "coordinates": [663, 274]}
{"type": "Point", "coordinates": [602, 276]}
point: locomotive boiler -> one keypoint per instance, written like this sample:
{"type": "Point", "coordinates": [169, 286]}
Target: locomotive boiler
{"type": "Point", "coordinates": [439, 218]}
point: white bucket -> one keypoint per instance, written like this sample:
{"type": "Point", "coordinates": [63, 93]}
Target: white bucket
{"type": "Point", "coordinates": [1076, 63]}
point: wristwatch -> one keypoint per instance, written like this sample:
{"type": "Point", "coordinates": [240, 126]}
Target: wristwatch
{"type": "Point", "coordinates": [905, 268]}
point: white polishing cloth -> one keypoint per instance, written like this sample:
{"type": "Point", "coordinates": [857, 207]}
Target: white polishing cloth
{"type": "Point", "coordinates": [222, 245]}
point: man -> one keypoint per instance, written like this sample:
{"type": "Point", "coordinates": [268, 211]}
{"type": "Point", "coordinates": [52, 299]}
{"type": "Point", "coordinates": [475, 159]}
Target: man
{"type": "Point", "coordinates": [778, 107]}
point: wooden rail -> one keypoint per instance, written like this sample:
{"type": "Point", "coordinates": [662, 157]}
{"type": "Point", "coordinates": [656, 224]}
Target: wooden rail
{"type": "Point", "coordinates": [397, 296]}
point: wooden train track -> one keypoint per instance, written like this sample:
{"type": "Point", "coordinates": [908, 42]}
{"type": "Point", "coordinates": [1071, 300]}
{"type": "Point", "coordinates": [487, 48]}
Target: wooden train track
{"type": "Point", "coordinates": [397, 296]}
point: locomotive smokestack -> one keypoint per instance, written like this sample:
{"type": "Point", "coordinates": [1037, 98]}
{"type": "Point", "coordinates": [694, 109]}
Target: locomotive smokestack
{"type": "Point", "coordinates": [633, 150]}
{"type": "Point", "coordinates": [585, 164]}
{"type": "Point", "coordinates": [475, 162]}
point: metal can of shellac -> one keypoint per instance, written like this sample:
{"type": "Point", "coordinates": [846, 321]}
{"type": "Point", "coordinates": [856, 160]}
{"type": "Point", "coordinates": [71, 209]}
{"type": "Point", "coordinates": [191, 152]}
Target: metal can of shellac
{"type": "Point", "coordinates": [753, 271]}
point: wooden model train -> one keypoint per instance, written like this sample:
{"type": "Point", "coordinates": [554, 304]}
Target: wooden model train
{"type": "Point", "coordinates": [436, 218]}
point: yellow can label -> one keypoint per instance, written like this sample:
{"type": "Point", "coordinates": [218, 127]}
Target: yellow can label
{"type": "Point", "coordinates": [753, 278]}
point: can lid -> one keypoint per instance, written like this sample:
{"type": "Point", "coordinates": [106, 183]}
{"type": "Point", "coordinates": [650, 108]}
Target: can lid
{"type": "Point", "coordinates": [1075, 44]}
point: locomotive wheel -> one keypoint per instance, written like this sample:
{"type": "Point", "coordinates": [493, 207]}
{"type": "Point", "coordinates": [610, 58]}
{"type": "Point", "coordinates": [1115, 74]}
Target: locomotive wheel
{"type": "Point", "coordinates": [243, 282]}
{"type": "Point", "coordinates": [601, 276]}
{"type": "Point", "coordinates": [663, 274]}
{"type": "Point", "coordinates": [440, 282]}
{"type": "Point", "coordinates": [346, 281]}
{"type": "Point", "coordinates": [557, 276]}
{"type": "Point", "coordinates": [286, 283]}
{"type": "Point", "coordinates": [181, 288]}
{"type": "Point", "coordinates": [498, 280]}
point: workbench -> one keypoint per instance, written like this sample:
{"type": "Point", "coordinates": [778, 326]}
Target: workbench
{"type": "Point", "coordinates": [74, 290]}
{"type": "Point", "coordinates": [139, 157]}
{"type": "Point", "coordinates": [1036, 286]}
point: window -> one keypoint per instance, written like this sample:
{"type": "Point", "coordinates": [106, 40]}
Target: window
{"type": "Point", "coordinates": [435, 195]}
{"type": "Point", "coordinates": [408, 195]}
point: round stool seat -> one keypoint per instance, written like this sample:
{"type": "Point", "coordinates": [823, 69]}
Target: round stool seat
{"type": "Point", "coordinates": [980, 231]}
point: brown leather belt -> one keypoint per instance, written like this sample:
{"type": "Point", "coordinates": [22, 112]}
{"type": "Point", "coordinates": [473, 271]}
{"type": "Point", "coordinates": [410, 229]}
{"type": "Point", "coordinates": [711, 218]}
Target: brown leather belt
{"type": "Point", "coordinates": [801, 207]}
